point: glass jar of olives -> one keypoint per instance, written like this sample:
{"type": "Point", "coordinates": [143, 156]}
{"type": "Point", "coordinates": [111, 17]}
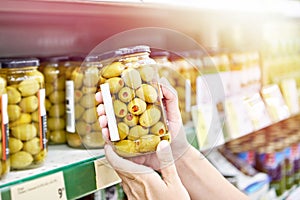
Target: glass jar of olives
{"type": "Point", "coordinates": [133, 101]}
{"type": "Point", "coordinates": [183, 86]}
{"type": "Point", "coordinates": [26, 112]}
{"type": "Point", "coordinates": [54, 69]}
{"type": "Point", "coordinates": [4, 132]}
{"type": "Point", "coordinates": [83, 129]}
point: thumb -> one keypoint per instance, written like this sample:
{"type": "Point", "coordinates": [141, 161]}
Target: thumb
{"type": "Point", "coordinates": [167, 165]}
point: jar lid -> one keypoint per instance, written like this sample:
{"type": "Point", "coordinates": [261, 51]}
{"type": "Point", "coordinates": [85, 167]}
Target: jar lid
{"type": "Point", "coordinates": [92, 58]}
{"type": "Point", "coordinates": [155, 54]}
{"type": "Point", "coordinates": [131, 50]}
{"type": "Point", "coordinates": [124, 51]}
{"type": "Point", "coordinates": [19, 62]}
{"type": "Point", "coordinates": [55, 59]}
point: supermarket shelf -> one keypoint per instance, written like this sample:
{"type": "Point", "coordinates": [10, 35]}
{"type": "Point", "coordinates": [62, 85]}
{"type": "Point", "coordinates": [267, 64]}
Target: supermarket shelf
{"type": "Point", "coordinates": [77, 166]}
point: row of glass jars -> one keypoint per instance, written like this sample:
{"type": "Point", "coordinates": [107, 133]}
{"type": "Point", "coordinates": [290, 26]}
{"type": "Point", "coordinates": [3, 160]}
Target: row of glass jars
{"type": "Point", "coordinates": [52, 101]}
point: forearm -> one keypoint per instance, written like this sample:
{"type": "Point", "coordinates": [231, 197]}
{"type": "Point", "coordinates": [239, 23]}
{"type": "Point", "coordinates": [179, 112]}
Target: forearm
{"type": "Point", "coordinates": [202, 180]}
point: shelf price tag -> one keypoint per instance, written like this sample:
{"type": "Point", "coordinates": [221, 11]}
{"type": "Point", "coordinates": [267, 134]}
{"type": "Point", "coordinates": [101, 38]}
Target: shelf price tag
{"type": "Point", "coordinates": [105, 175]}
{"type": "Point", "coordinates": [50, 187]}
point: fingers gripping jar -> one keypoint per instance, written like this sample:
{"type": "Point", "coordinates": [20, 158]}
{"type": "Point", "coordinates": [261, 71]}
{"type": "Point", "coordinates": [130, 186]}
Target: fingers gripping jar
{"type": "Point", "coordinates": [54, 72]}
{"type": "Point", "coordinates": [83, 129]}
{"type": "Point", "coordinates": [26, 112]}
{"type": "Point", "coordinates": [4, 132]}
{"type": "Point", "coordinates": [133, 101]}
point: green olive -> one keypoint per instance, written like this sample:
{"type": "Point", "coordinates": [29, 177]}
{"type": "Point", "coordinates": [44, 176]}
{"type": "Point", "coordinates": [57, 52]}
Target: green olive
{"type": "Point", "coordinates": [58, 137]}
{"type": "Point", "coordinates": [136, 132]}
{"type": "Point", "coordinates": [150, 117]}
{"type": "Point", "coordinates": [113, 70]}
{"type": "Point", "coordinates": [166, 137]}
{"type": "Point", "coordinates": [74, 140]}
{"type": "Point", "coordinates": [25, 118]}
{"type": "Point", "coordinates": [29, 87]}
{"type": "Point", "coordinates": [79, 110]}
{"type": "Point", "coordinates": [24, 132]}
{"type": "Point", "coordinates": [32, 146]}
{"type": "Point", "coordinates": [15, 145]}
{"type": "Point", "coordinates": [96, 126]}
{"type": "Point", "coordinates": [35, 116]}
{"type": "Point", "coordinates": [49, 88]}
{"type": "Point", "coordinates": [14, 96]}
{"type": "Point", "coordinates": [57, 110]}
{"type": "Point", "coordinates": [120, 108]}
{"type": "Point", "coordinates": [131, 120]}
{"type": "Point", "coordinates": [77, 95]}
{"type": "Point", "coordinates": [115, 84]}
{"type": "Point", "coordinates": [54, 123]}
{"type": "Point", "coordinates": [57, 97]}
{"type": "Point", "coordinates": [137, 106]}
{"type": "Point", "coordinates": [83, 128]}
{"type": "Point", "coordinates": [77, 77]}
{"type": "Point", "coordinates": [158, 129]}
{"type": "Point", "coordinates": [90, 115]}
{"type": "Point", "coordinates": [87, 90]}
{"type": "Point", "coordinates": [126, 94]}
{"type": "Point", "coordinates": [40, 157]}
{"type": "Point", "coordinates": [132, 78]}
{"type": "Point", "coordinates": [148, 143]}
{"type": "Point", "coordinates": [123, 130]}
{"type": "Point", "coordinates": [51, 74]}
{"type": "Point", "coordinates": [93, 140]}
{"type": "Point", "coordinates": [126, 148]}
{"type": "Point", "coordinates": [48, 104]}
{"type": "Point", "coordinates": [88, 100]}
{"type": "Point", "coordinates": [91, 77]}
{"type": "Point", "coordinates": [60, 83]}
{"type": "Point", "coordinates": [21, 160]}
{"type": "Point", "coordinates": [147, 73]}
{"type": "Point", "coordinates": [29, 104]}
{"type": "Point", "coordinates": [147, 93]}
{"type": "Point", "coordinates": [14, 112]}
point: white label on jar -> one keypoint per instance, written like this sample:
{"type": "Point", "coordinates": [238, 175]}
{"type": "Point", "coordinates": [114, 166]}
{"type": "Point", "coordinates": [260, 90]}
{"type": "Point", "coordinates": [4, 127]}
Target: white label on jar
{"type": "Point", "coordinates": [42, 97]}
{"type": "Point", "coordinates": [42, 118]}
{"type": "Point", "coordinates": [4, 102]}
{"type": "Point", "coordinates": [70, 107]}
{"type": "Point", "coordinates": [188, 94]}
{"type": "Point", "coordinates": [110, 114]}
{"type": "Point", "coordinates": [47, 188]}
{"type": "Point", "coordinates": [4, 126]}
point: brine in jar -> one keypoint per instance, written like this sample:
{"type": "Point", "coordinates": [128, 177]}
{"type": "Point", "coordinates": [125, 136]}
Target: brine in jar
{"type": "Point", "coordinates": [83, 129]}
{"type": "Point", "coordinates": [53, 69]}
{"type": "Point", "coordinates": [133, 101]}
{"type": "Point", "coordinates": [4, 132]}
{"type": "Point", "coordinates": [26, 112]}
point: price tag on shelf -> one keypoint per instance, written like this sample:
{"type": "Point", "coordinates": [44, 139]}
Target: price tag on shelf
{"type": "Point", "coordinates": [47, 188]}
{"type": "Point", "coordinates": [105, 175]}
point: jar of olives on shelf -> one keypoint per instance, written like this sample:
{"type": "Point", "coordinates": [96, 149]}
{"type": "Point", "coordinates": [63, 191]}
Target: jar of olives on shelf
{"type": "Point", "coordinates": [170, 71]}
{"type": "Point", "coordinates": [183, 85]}
{"type": "Point", "coordinates": [53, 69]}
{"type": "Point", "coordinates": [26, 112]}
{"type": "Point", "coordinates": [133, 101]}
{"type": "Point", "coordinates": [83, 129]}
{"type": "Point", "coordinates": [4, 132]}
